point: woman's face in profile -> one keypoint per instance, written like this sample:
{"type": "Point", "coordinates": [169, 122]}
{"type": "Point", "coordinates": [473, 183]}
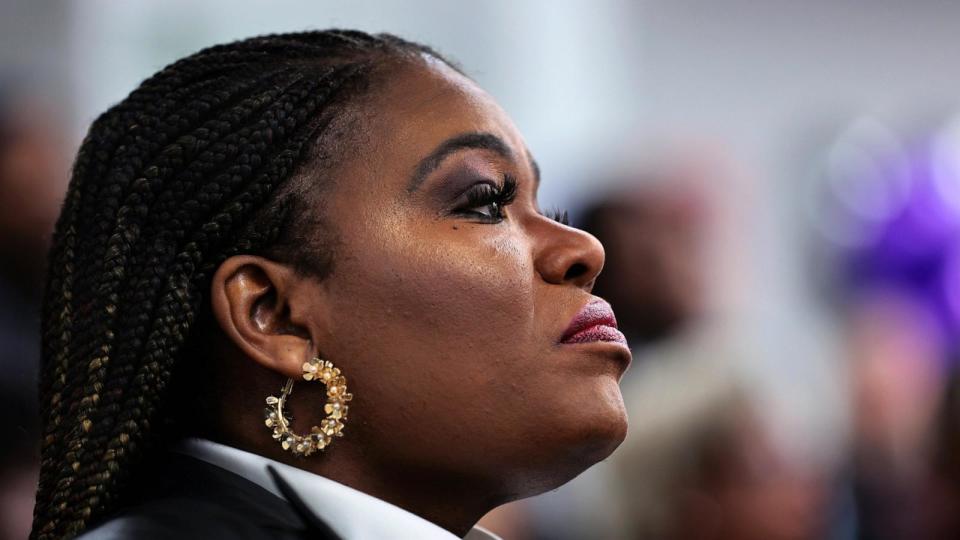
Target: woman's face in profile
{"type": "Point", "coordinates": [446, 310]}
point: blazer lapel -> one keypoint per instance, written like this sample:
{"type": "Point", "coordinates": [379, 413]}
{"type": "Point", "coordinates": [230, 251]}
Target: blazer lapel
{"type": "Point", "coordinates": [183, 478]}
{"type": "Point", "coordinates": [316, 525]}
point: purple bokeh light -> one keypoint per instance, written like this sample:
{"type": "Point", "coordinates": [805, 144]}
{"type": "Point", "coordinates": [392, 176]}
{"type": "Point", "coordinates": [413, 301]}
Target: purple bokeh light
{"type": "Point", "coordinates": [914, 250]}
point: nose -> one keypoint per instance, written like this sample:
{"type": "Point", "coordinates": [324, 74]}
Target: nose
{"type": "Point", "coordinates": [568, 256]}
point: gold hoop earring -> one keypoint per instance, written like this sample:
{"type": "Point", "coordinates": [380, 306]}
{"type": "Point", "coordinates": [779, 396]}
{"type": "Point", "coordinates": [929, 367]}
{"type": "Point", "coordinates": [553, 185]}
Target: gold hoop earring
{"type": "Point", "coordinates": [320, 436]}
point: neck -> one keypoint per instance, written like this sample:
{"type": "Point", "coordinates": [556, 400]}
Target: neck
{"type": "Point", "coordinates": [452, 505]}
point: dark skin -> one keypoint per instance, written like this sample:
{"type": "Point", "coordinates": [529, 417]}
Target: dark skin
{"type": "Point", "coordinates": [444, 318]}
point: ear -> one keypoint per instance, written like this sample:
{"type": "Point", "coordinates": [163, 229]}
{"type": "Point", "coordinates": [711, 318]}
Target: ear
{"type": "Point", "coordinates": [252, 299]}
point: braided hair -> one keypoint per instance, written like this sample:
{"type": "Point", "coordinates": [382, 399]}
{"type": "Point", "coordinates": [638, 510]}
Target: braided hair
{"type": "Point", "coordinates": [201, 162]}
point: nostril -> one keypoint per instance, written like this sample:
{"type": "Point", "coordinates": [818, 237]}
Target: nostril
{"type": "Point", "coordinates": [576, 270]}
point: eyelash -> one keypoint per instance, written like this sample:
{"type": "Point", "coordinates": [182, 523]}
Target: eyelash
{"type": "Point", "coordinates": [560, 216]}
{"type": "Point", "coordinates": [487, 194]}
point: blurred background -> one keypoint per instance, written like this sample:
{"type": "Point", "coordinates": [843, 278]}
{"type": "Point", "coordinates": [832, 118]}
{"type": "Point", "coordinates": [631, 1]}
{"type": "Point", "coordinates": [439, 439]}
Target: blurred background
{"type": "Point", "coordinates": [778, 189]}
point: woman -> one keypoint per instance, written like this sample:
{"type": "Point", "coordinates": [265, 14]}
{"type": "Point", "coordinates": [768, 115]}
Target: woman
{"type": "Point", "coordinates": [342, 210]}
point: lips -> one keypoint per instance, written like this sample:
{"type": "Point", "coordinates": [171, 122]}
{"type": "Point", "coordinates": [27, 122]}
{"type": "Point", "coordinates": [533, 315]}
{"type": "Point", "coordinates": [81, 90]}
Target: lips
{"type": "Point", "coordinates": [594, 322]}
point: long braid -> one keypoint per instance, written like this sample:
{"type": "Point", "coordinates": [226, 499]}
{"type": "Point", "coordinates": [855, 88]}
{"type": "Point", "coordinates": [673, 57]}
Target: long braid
{"type": "Point", "coordinates": [191, 168]}
{"type": "Point", "coordinates": [59, 340]}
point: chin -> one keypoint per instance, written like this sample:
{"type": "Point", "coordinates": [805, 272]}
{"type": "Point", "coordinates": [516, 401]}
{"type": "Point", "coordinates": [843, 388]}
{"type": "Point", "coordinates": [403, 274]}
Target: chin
{"type": "Point", "coordinates": [600, 418]}
{"type": "Point", "coordinates": [602, 430]}
{"type": "Point", "coordinates": [585, 436]}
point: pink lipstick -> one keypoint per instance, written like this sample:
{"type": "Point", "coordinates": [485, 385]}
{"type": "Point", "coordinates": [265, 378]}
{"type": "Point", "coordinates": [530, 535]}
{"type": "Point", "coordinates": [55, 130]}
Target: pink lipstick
{"type": "Point", "coordinates": [594, 322]}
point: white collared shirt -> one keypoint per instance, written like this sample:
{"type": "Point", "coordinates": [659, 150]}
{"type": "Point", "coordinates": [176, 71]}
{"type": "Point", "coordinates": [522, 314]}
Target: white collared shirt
{"type": "Point", "coordinates": [352, 514]}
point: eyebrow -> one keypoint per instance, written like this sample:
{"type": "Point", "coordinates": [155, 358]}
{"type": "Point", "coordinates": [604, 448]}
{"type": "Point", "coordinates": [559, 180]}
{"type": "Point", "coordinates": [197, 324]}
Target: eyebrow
{"type": "Point", "coordinates": [482, 141]}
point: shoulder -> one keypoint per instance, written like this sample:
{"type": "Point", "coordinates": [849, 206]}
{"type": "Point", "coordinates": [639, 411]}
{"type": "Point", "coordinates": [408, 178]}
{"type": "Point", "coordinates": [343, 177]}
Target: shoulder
{"type": "Point", "coordinates": [185, 498]}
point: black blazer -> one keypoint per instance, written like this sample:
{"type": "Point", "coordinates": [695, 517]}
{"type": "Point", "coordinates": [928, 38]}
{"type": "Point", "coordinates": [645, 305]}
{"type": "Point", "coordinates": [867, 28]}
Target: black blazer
{"type": "Point", "coordinates": [187, 498]}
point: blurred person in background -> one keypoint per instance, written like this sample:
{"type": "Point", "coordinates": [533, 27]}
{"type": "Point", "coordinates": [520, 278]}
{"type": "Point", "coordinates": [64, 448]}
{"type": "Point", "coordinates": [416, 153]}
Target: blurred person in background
{"type": "Point", "coordinates": [654, 227]}
{"type": "Point", "coordinates": [897, 389]}
{"type": "Point", "coordinates": [945, 466]}
{"type": "Point", "coordinates": [741, 485]}
{"type": "Point", "coordinates": [33, 176]}
{"type": "Point", "coordinates": [698, 461]}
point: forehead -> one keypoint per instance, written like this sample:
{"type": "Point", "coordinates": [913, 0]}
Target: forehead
{"type": "Point", "coordinates": [423, 104]}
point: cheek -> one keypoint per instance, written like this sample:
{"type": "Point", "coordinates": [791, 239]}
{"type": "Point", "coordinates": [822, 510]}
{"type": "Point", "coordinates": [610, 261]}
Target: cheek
{"type": "Point", "coordinates": [421, 287]}
{"type": "Point", "coordinates": [435, 315]}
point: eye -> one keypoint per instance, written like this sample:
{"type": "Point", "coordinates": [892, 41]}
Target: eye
{"type": "Point", "coordinates": [486, 200]}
